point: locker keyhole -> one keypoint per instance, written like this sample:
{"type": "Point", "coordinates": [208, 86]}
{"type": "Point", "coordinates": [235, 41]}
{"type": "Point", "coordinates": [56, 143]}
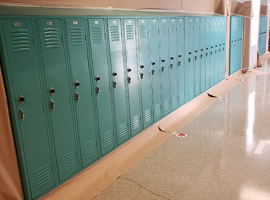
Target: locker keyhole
{"type": "Point", "coordinates": [179, 56]}
{"type": "Point", "coordinates": [142, 66]}
{"type": "Point", "coordinates": [21, 99]}
{"type": "Point", "coordinates": [114, 74]}
{"type": "Point", "coordinates": [153, 63]}
{"type": "Point", "coordinates": [171, 58]}
{"type": "Point", "coordinates": [163, 60]}
{"type": "Point", "coordinates": [129, 70]}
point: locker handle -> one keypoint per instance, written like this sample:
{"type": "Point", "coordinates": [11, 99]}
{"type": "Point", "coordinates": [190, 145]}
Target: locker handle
{"type": "Point", "coordinates": [114, 74]}
{"type": "Point", "coordinates": [97, 78]}
{"type": "Point", "coordinates": [216, 46]}
{"type": "Point", "coordinates": [21, 99]}
{"type": "Point", "coordinates": [114, 85]}
{"type": "Point", "coordinates": [195, 57]}
{"type": "Point", "coordinates": [153, 72]}
{"type": "Point", "coordinates": [77, 84]}
{"type": "Point", "coordinates": [52, 105]}
{"type": "Point", "coordinates": [141, 75]}
{"type": "Point", "coordinates": [201, 56]}
{"type": "Point", "coordinates": [22, 114]}
{"type": "Point", "coordinates": [162, 68]}
{"type": "Point", "coordinates": [171, 66]}
{"type": "Point", "coordinates": [189, 59]}
{"type": "Point", "coordinates": [179, 63]}
{"type": "Point", "coordinates": [219, 50]}
{"type": "Point", "coordinates": [129, 80]}
{"type": "Point", "coordinates": [206, 54]}
{"type": "Point", "coordinates": [77, 97]}
{"type": "Point", "coordinates": [215, 51]}
{"type": "Point", "coordinates": [97, 90]}
{"type": "Point", "coordinates": [142, 66]}
{"type": "Point", "coordinates": [129, 70]}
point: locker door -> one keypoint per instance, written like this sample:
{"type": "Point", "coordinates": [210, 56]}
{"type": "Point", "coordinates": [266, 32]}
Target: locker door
{"type": "Point", "coordinates": [223, 49]}
{"type": "Point", "coordinates": [173, 66]}
{"type": "Point", "coordinates": [181, 59]}
{"type": "Point", "coordinates": [145, 75]}
{"type": "Point", "coordinates": [207, 52]}
{"type": "Point", "coordinates": [165, 75]}
{"type": "Point", "coordinates": [156, 66]}
{"type": "Point", "coordinates": [241, 40]}
{"type": "Point", "coordinates": [220, 52]}
{"type": "Point", "coordinates": [202, 54]}
{"type": "Point", "coordinates": [57, 90]}
{"type": "Point", "coordinates": [132, 73]}
{"type": "Point", "coordinates": [212, 52]}
{"type": "Point", "coordinates": [189, 62]}
{"type": "Point", "coordinates": [231, 47]}
{"type": "Point", "coordinates": [102, 91]}
{"type": "Point", "coordinates": [197, 64]}
{"type": "Point", "coordinates": [114, 28]}
{"type": "Point", "coordinates": [81, 81]}
{"type": "Point", "coordinates": [23, 79]}
{"type": "Point", "coordinates": [216, 47]}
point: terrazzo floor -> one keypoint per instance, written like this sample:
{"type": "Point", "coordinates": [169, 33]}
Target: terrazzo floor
{"type": "Point", "coordinates": [225, 156]}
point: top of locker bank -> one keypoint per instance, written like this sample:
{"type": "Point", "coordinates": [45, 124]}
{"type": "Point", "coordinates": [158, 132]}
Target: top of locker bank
{"type": "Point", "coordinates": [68, 11]}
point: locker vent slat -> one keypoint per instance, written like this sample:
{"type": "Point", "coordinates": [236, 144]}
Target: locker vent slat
{"type": "Point", "coordinates": [135, 122]}
{"type": "Point", "coordinates": [115, 35]}
{"type": "Point", "coordinates": [41, 176]}
{"type": "Point", "coordinates": [164, 30]}
{"type": "Point", "coordinates": [76, 35]}
{"type": "Point", "coordinates": [181, 97]}
{"type": "Point", "coordinates": [67, 162]}
{"type": "Point", "coordinates": [89, 149]}
{"type": "Point", "coordinates": [174, 100]}
{"type": "Point", "coordinates": [154, 28]}
{"type": "Point", "coordinates": [181, 28]}
{"type": "Point", "coordinates": [143, 32]}
{"type": "Point", "coordinates": [122, 129]}
{"type": "Point", "coordinates": [191, 26]}
{"type": "Point", "coordinates": [202, 25]}
{"type": "Point", "coordinates": [97, 35]}
{"type": "Point", "coordinates": [147, 115]}
{"type": "Point", "coordinates": [173, 28]}
{"type": "Point", "coordinates": [166, 104]}
{"type": "Point", "coordinates": [157, 110]}
{"type": "Point", "coordinates": [107, 139]}
{"type": "Point", "coordinates": [130, 32]}
{"type": "Point", "coordinates": [51, 38]}
{"type": "Point", "coordinates": [20, 40]}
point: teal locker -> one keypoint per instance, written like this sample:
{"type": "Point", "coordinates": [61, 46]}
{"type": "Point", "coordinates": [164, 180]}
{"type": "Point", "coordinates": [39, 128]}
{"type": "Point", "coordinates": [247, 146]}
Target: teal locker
{"type": "Point", "coordinates": [181, 59]}
{"type": "Point", "coordinates": [212, 51]}
{"type": "Point", "coordinates": [57, 91]}
{"type": "Point", "coordinates": [101, 79]}
{"type": "Point", "coordinates": [118, 83]}
{"type": "Point", "coordinates": [165, 75]}
{"type": "Point", "coordinates": [232, 54]}
{"type": "Point", "coordinates": [173, 63]}
{"type": "Point", "coordinates": [216, 49]}
{"type": "Point", "coordinates": [207, 52]}
{"type": "Point", "coordinates": [202, 54]}
{"type": "Point", "coordinates": [197, 64]}
{"type": "Point", "coordinates": [22, 82]}
{"type": "Point", "coordinates": [132, 74]}
{"type": "Point", "coordinates": [82, 90]}
{"type": "Point", "coordinates": [145, 74]}
{"type": "Point", "coordinates": [156, 66]}
{"type": "Point", "coordinates": [189, 62]}
{"type": "Point", "coordinates": [223, 49]}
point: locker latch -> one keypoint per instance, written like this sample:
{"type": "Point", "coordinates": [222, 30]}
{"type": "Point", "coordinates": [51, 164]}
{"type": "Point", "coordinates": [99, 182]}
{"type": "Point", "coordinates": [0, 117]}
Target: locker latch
{"type": "Point", "coordinates": [52, 105]}
{"type": "Point", "coordinates": [179, 63]}
{"type": "Point", "coordinates": [97, 90]}
{"type": "Point", "coordinates": [206, 54]}
{"type": "Point", "coordinates": [22, 114]}
{"type": "Point", "coordinates": [114, 85]}
{"type": "Point", "coordinates": [201, 56]}
{"type": "Point", "coordinates": [129, 80]}
{"type": "Point", "coordinates": [195, 57]}
{"type": "Point", "coordinates": [52, 91]}
{"type": "Point", "coordinates": [219, 50]}
{"type": "Point", "coordinates": [189, 59]}
{"type": "Point", "coordinates": [77, 84]}
{"type": "Point", "coordinates": [21, 99]}
{"type": "Point", "coordinates": [141, 75]}
{"type": "Point", "coordinates": [153, 72]}
{"type": "Point", "coordinates": [211, 53]}
{"type": "Point", "coordinates": [77, 97]}
{"type": "Point", "coordinates": [97, 78]}
{"type": "Point", "coordinates": [171, 65]}
{"type": "Point", "coordinates": [162, 68]}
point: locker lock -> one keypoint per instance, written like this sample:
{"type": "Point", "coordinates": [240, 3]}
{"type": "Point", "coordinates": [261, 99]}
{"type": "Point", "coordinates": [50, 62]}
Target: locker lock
{"type": "Point", "coordinates": [153, 72]}
{"type": "Point", "coordinates": [114, 74]}
{"type": "Point", "coordinates": [206, 48]}
{"type": "Point", "coordinates": [189, 53]}
{"type": "Point", "coordinates": [129, 70]}
{"type": "Point", "coordinates": [171, 58]}
{"type": "Point", "coordinates": [163, 60]}
{"type": "Point", "coordinates": [153, 63]}
{"type": "Point", "coordinates": [52, 91]}
{"type": "Point", "coordinates": [21, 99]}
{"type": "Point", "coordinates": [77, 84]}
{"type": "Point", "coordinates": [97, 78]}
{"type": "Point", "coordinates": [141, 75]}
{"type": "Point", "coordinates": [179, 56]}
{"type": "Point", "coordinates": [196, 51]}
{"type": "Point", "coordinates": [142, 66]}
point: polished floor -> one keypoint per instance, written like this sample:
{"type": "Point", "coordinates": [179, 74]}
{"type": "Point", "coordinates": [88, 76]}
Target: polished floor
{"type": "Point", "coordinates": [225, 156]}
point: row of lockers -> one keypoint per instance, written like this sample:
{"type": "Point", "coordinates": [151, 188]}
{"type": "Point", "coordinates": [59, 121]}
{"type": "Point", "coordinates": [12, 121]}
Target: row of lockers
{"type": "Point", "coordinates": [78, 87]}
{"type": "Point", "coordinates": [263, 24]}
{"type": "Point", "coordinates": [236, 39]}
{"type": "Point", "coordinates": [262, 43]}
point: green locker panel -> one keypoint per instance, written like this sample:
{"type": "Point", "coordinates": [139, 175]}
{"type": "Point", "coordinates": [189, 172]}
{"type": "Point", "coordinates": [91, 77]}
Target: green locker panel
{"type": "Point", "coordinates": [165, 63]}
{"type": "Point", "coordinates": [202, 54]}
{"type": "Point", "coordinates": [156, 66]}
{"type": "Point", "coordinates": [82, 90]}
{"type": "Point", "coordinates": [22, 79]}
{"type": "Point", "coordinates": [212, 51]}
{"type": "Point", "coordinates": [132, 73]}
{"type": "Point", "coordinates": [189, 62]}
{"type": "Point", "coordinates": [181, 59]}
{"type": "Point", "coordinates": [114, 27]}
{"type": "Point", "coordinates": [173, 63]}
{"type": "Point", "coordinates": [145, 72]}
{"type": "Point", "coordinates": [101, 79]}
{"type": "Point", "coordinates": [197, 64]}
{"type": "Point", "coordinates": [207, 52]}
{"type": "Point", "coordinates": [57, 91]}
